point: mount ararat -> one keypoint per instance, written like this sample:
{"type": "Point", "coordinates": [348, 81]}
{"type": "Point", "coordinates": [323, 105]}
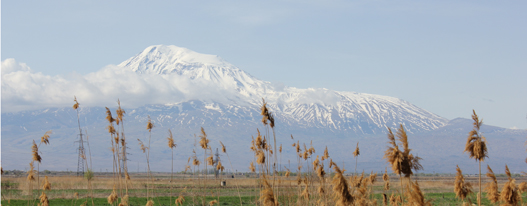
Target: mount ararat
{"type": "Point", "coordinates": [227, 105]}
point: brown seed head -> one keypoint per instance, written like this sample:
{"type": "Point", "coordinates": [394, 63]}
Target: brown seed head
{"type": "Point", "coordinates": [170, 139]}
{"type": "Point", "coordinates": [223, 149]}
{"type": "Point", "coordinates": [251, 167]}
{"type": "Point", "coordinates": [120, 112]}
{"type": "Point", "coordinates": [142, 145]}
{"type": "Point", "coordinates": [260, 157]}
{"type": "Point", "coordinates": [266, 195]}
{"type": "Point", "coordinates": [149, 124]}
{"type": "Point", "coordinates": [320, 171]}
{"type": "Point", "coordinates": [461, 188]}
{"type": "Point", "coordinates": [180, 200]}
{"type": "Point", "coordinates": [45, 139]}
{"type": "Point", "coordinates": [34, 149]}
{"type": "Point", "coordinates": [213, 202]}
{"type": "Point", "coordinates": [31, 172]}
{"type": "Point", "coordinates": [326, 154]}
{"type": "Point", "coordinates": [341, 188]}
{"type": "Point", "coordinates": [415, 195]}
{"type": "Point", "coordinates": [45, 184]}
{"type": "Point", "coordinates": [491, 188]}
{"type": "Point", "coordinates": [204, 142]}
{"type": "Point", "coordinates": [112, 197]}
{"type": "Point", "coordinates": [76, 105]}
{"type": "Point", "coordinates": [315, 163]}
{"type": "Point", "coordinates": [476, 143]}
{"type": "Point", "coordinates": [44, 199]}
{"type": "Point", "coordinates": [109, 116]}
{"type": "Point", "coordinates": [356, 152]}
{"type": "Point", "coordinates": [510, 192]}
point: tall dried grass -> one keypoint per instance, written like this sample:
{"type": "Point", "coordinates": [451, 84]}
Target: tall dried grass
{"type": "Point", "coordinates": [491, 188]}
{"type": "Point", "coordinates": [510, 194]}
{"type": "Point", "coordinates": [461, 188]}
{"type": "Point", "coordinates": [476, 147]}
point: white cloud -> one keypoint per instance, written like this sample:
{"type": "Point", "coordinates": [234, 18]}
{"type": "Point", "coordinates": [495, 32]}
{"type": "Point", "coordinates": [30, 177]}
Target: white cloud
{"type": "Point", "coordinates": [23, 89]}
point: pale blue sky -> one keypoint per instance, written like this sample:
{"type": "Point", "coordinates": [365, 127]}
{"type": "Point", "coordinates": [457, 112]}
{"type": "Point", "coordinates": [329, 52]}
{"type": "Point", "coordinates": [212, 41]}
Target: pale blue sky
{"type": "Point", "coordinates": [448, 57]}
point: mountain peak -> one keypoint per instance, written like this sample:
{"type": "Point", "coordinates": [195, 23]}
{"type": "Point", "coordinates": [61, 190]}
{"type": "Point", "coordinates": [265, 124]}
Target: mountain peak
{"type": "Point", "coordinates": [165, 59]}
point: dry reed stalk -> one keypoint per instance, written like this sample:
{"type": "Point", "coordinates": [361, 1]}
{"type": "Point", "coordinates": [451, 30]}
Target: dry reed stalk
{"type": "Point", "coordinates": [125, 200]}
{"type": "Point", "coordinates": [204, 143]}
{"type": "Point", "coordinates": [44, 199]}
{"type": "Point", "coordinates": [144, 148]}
{"type": "Point", "coordinates": [476, 146]}
{"type": "Point", "coordinates": [402, 162]}
{"type": "Point", "coordinates": [356, 153]}
{"type": "Point", "coordinates": [415, 196]}
{"type": "Point", "coordinates": [510, 194]}
{"type": "Point", "coordinates": [326, 154]}
{"type": "Point", "coordinates": [180, 200]}
{"type": "Point", "coordinates": [341, 188]}
{"type": "Point", "coordinates": [171, 145]}
{"type": "Point", "coordinates": [386, 180]}
{"type": "Point", "coordinates": [461, 188]}
{"type": "Point", "coordinates": [113, 196]}
{"type": "Point", "coordinates": [267, 195]}
{"type": "Point", "coordinates": [491, 188]}
{"type": "Point", "coordinates": [46, 185]}
{"type": "Point", "coordinates": [149, 126]}
{"type": "Point", "coordinates": [395, 200]}
{"type": "Point", "coordinates": [213, 202]}
{"type": "Point", "coordinates": [120, 118]}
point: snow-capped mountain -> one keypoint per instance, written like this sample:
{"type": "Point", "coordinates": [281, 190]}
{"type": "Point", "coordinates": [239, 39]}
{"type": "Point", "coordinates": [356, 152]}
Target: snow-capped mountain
{"type": "Point", "coordinates": [321, 108]}
{"type": "Point", "coordinates": [336, 119]}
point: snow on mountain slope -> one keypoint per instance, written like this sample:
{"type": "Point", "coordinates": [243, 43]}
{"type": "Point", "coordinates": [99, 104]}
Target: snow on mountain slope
{"type": "Point", "coordinates": [322, 108]}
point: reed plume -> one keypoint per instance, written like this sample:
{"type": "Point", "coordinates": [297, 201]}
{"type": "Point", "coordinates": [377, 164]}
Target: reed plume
{"type": "Point", "coordinates": [305, 193]}
{"type": "Point", "coordinates": [46, 185]}
{"type": "Point", "coordinates": [409, 162]}
{"type": "Point", "coordinates": [491, 188]}
{"type": "Point", "coordinates": [393, 154]}
{"type": "Point", "coordinates": [415, 196]}
{"type": "Point", "coordinates": [395, 200]}
{"type": "Point", "coordinates": [45, 138]}
{"type": "Point", "coordinates": [341, 188]}
{"type": "Point", "coordinates": [109, 117]}
{"type": "Point", "coordinates": [326, 154]}
{"type": "Point", "coordinates": [223, 149]}
{"type": "Point", "coordinates": [44, 199]}
{"type": "Point", "coordinates": [267, 195]}
{"type": "Point", "coordinates": [210, 159]}
{"type": "Point", "coordinates": [76, 105]}
{"type": "Point", "coordinates": [357, 151]}
{"type": "Point", "coordinates": [213, 202]}
{"type": "Point", "coordinates": [170, 139]}
{"type": "Point", "coordinates": [461, 188]}
{"type": "Point", "coordinates": [320, 171]}
{"type": "Point", "coordinates": [386, 179]}
{"type": "Point", "coordinates": [113, 196]}
{"type": "Point", "coordinates": [252, 168]}
{"type": "Point", "coordinates": [180, 200]}
{"type": "Point", "coordinates": [510, 194]}
{"type": "Point", "coordinates": [204, 142]}
{"type": "Point", "coordinates": [171, 145]}
{"type": "Point", "coordinates": [125, 200]}
{"type": "Point", "coordinates": [476, 146]}
{"type": "Point", "coordinates": [149, 124]}
{"type": "Point", "coordinates": [522, 187]}
{"type": "Point", "coordinates": [35, 155]}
